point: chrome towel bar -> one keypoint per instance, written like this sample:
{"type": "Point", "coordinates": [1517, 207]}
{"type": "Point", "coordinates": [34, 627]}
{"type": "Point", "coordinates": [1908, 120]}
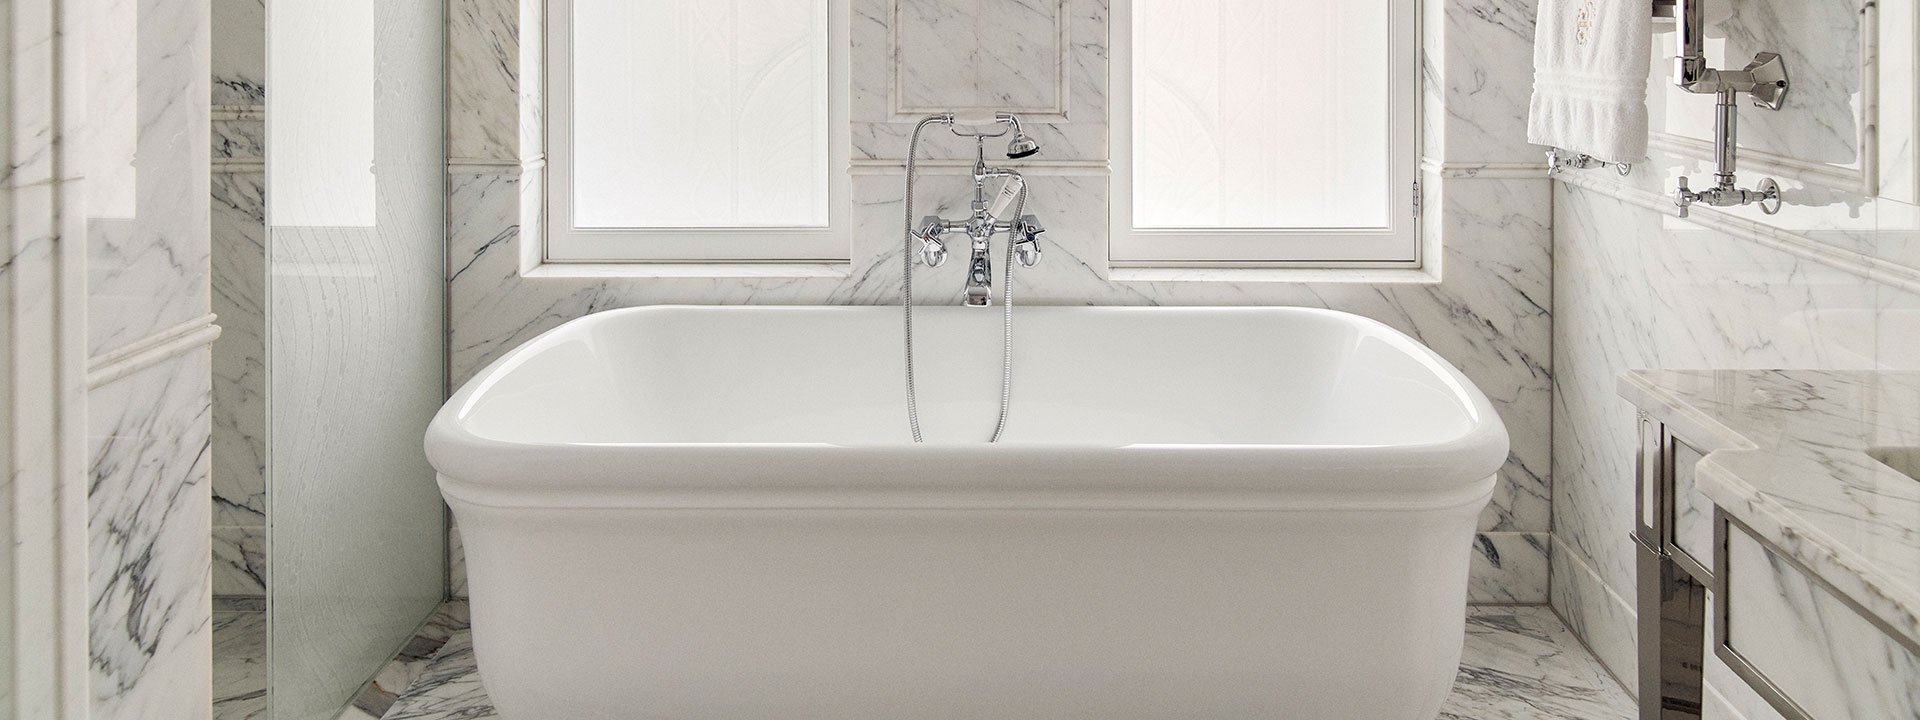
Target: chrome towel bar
{"type": "Point", "coordinates": [1764, 81]}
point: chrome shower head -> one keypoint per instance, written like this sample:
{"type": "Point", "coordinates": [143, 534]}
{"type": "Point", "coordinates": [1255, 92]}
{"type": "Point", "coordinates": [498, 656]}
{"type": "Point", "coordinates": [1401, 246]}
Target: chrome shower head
{"type": "Point", "coordinates": [1021, 146]}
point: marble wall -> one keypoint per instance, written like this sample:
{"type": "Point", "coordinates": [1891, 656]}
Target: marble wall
{"type": "Point", "coordinates": [1831, 282]}
{"type": "Point", "coordinates": [44, 610]}
{"type": "Point", "coordinates": [148, 407]}
{"type": "Point", "coordinates": [1484, 300]}
{"type": "Point", "coordinates": [239, 282]}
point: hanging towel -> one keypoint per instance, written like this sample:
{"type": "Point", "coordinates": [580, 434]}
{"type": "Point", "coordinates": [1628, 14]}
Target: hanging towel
{"type": "Point", "coordinates": [1590, 63]}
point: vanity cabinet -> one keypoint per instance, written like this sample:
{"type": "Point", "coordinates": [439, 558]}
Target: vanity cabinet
{"type": "Point", "coordinates": [1798, 643]}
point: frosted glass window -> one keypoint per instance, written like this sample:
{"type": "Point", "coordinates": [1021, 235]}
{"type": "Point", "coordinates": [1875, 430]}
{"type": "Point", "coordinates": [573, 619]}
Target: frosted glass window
{"type": "Point", "coordinates": [1260, 113]}
{"type": "Point", "coordinates": [1266, 130]}
{"type": "Point", "coordinates": [699, 113]}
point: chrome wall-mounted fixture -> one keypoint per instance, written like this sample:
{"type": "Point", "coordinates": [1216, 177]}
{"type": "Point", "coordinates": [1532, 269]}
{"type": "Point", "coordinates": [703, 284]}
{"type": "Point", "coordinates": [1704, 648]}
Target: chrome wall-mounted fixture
{"type": "Point", "coordinates": [1023, 239]}
{"type": "Point", "coordinates": [1023, 230]}
{"type": "Point", "coordinates": [1558, 162]}
{"type": "Point", "coordinates": [1764, 80]}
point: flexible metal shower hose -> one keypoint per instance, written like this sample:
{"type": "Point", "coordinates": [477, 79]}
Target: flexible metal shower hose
{"type": "Point", "coordinates": [906, 299]}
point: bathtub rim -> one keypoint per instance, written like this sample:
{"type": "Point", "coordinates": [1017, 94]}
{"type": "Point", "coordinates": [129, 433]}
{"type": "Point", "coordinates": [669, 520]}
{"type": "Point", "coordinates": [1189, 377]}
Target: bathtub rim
{"type": "Point", "coordinates": [492, 471]}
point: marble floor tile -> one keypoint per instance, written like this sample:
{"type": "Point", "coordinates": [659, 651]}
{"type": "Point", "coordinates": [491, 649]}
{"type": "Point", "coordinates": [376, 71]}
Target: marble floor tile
{"type": "Point", "coordinates": [240, 673]}
{"type": "Point", "coordinates": [407, 669]}
{"type": "Point", "coordinates": [1520, 663]}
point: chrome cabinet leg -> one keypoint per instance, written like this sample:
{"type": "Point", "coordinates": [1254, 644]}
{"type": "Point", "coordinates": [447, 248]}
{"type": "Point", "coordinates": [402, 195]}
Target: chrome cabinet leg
{"type": "Point", "coordinates": [1673, 629]}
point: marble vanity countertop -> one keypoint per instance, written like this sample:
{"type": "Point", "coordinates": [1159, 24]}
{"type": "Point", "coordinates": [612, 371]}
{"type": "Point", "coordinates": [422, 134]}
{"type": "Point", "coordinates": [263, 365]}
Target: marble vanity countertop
{"type": "Point", "coordinates": [1797, 456]}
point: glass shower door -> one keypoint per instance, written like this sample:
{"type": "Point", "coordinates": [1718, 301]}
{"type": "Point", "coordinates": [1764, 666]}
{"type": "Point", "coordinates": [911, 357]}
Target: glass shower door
{"type": "Point", "coordinates": [355, 359]}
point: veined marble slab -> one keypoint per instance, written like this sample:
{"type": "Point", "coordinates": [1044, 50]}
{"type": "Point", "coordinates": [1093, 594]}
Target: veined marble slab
{"type": "Point", "coordinates": [1794, 457]}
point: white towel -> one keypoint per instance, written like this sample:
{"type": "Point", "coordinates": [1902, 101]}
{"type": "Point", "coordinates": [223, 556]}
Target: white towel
{"type": "Point", "coordinates": [1590, 64]}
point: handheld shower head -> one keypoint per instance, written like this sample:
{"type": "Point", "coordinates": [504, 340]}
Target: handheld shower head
{"type": "Point", "coordinates": [1021, 146]}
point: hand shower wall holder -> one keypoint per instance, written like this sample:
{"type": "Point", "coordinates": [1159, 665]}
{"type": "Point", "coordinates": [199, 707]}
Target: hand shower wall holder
{"type": "Point", "coordinates": [1764, 81]}
{"type": "Point", "coordinates": [1558, 162]}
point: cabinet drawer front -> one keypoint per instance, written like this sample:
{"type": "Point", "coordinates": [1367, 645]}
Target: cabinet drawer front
{"type": "Point", "coordinates": [1813, 646]}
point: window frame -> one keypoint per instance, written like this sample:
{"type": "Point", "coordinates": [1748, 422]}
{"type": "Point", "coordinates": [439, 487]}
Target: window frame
{"type": "Point", "coordinates": [565, 243]}
{"type": "Point", "coordinates": [1397, 245]}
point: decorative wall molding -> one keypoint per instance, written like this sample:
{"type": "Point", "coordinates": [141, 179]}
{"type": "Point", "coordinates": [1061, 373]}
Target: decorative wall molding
{"type": "Point", "coordinates": [1759, 163]}
{"type": "Point", "coordinates": [1483, 171]}
{"type": "Point", "coordinates": [1791, 242]}
{"type": "Point", "coordinates": [1057, 112]}
{"type": "Point", "coordinates": [869, 166]}
{"type": "Point", "coordinates": [151, 350]}
{"type": "Point", "coordinates": [238, 112]}
{"type": "Point", "coordinates": [239, 165]}
{"type": "Point", "coordinates": [462, 166]}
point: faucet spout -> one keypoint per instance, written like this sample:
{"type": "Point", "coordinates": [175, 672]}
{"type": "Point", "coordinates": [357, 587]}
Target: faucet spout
{"type": "Point", "coordinates": [980, 276]}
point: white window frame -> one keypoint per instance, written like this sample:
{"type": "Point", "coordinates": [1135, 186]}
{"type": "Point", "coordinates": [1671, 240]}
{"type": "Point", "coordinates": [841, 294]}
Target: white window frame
{"type": "Point", "coordinates": [1396, 245]}
{"type": "Point", "coordinates": [565, 243]}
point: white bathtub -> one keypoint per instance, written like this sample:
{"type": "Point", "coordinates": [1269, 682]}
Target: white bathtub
{"type": "Point", "coordinates": [681, 512]}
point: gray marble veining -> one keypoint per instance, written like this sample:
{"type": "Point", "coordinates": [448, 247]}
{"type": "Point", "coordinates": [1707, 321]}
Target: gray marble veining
{"type": "Point", "coordinates": [1519, 663]}
{"type": "Point", "coordinates": [1795, 459]}
{"type": "Point", "coordinates": [1637, 288]}
{"type": "Point", "coordinates": [240, 674]}
{"type": "Point", "coordinates": [148, 542]}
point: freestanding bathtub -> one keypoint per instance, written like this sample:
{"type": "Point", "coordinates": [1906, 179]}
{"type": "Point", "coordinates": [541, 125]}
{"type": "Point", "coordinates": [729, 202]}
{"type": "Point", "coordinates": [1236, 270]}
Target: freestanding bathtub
{"type": "Point", "coordinates": [688, 512]}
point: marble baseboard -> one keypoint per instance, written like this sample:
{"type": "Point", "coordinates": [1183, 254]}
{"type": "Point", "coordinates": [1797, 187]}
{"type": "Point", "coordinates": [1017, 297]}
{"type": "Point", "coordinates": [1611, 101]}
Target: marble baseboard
{"type": "Point", "coordinates": [1509, 568]}
{"type": "Point", "coordinates": [1604, 620]}
{"type": "Point", "coordinates": [1519, 663]}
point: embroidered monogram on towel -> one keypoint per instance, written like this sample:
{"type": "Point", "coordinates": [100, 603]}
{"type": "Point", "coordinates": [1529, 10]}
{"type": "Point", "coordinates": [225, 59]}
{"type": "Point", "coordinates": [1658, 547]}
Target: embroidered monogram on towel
{"type": "Point", "coordinates": [1583, 24]}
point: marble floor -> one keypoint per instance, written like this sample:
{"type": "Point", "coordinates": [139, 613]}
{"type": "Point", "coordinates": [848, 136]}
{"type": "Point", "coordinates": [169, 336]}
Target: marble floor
{"type": "Point", "coordinates": [1520, 663]}
{"type": "Point", "coordinates": [241, 673]}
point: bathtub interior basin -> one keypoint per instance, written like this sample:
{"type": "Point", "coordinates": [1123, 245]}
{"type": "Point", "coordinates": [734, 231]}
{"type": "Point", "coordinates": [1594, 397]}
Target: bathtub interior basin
{"type": "Point", "coordinates": [1107, 376]}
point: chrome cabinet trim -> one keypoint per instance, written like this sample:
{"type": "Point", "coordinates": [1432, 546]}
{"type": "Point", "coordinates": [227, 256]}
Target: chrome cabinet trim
{"type": "Point", "coordinates": [1723, 648]}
